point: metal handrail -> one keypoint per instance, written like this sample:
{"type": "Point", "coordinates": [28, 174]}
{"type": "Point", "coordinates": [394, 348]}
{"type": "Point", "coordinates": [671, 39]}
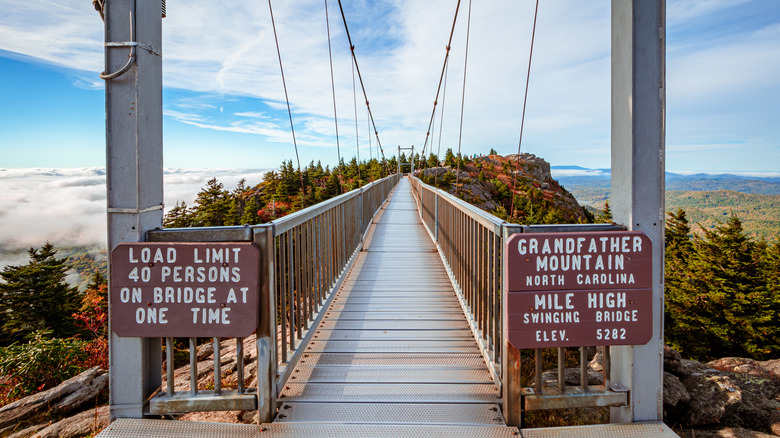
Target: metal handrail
{"type": "Point", "coordinates": [303, 258]}
{"type": "Point", "coordinates": [470, 242]}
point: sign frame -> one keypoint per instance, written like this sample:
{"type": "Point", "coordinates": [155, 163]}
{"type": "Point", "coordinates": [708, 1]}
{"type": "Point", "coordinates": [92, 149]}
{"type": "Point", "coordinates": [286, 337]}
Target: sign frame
{"type": "Point", "coordinates": [184, 289]}
{"type": "Point", "coordinates": [573, 289]}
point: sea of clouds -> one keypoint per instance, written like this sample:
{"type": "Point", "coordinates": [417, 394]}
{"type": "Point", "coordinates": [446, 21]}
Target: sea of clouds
{"type": "Point", "coordinates": [67, 207]}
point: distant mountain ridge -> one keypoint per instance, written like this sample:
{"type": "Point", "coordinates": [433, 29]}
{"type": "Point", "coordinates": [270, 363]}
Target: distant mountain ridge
{"type": "Point", "coordinates": [762, 183]}
{"type": "Point", "coordinates": [706, 198]}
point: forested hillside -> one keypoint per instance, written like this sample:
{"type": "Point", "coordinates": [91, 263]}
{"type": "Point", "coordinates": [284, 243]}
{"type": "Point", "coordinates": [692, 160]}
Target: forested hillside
{"type": "Point", "coordinates": [760, 214]}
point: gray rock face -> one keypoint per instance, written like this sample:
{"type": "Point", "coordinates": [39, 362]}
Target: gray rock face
{"type": "Point", "coordinates": [741, 394]}
{"type": "Point", "coordinates": [85, 423]}
{"type": "Point", "coordinates": [674, 391]}
{"type": "Point", "coordinates": [14, 412]}
{"type": "Point", "coordinates": [707, 402]}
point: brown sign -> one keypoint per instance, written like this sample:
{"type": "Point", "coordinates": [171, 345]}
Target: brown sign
{"type": "Point", "coordinates": [574, 289]}
{"type": "Point", "coordinates": [185, 289]}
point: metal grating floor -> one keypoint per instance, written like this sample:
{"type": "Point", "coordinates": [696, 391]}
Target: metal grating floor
{"type": "Point", "coordinates": [383, 364]}
{"type": "Point", "coordinates": [394, 346]}
{"type": "Point", "coordinates": [381, 413]}
{"type": "Point", "coordinates": [132, 428]}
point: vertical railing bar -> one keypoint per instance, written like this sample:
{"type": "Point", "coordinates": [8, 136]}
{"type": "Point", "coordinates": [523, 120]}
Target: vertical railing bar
{"type": "Point", "coordinates": [489, 298]}
{"type": "Point", "coordinates": [240, 365]}
{"type": "Point", "coordinates": [561, 365]}
{"type": "Point", "coordinates": [193, 366]}
{"type": "Point", "coordinates": [304, 317]}
{"type": "Point", "coordinates": [499, 296]}
{"type": "Point", "coordinates": [169, 365]}
{"type": "Point", "coordinates": [538, 364]}
{"type": "Point", "coordinates": [343, 254]}
{"type": "Point", "coordinates": [331, 265]}
{"type": "Point", "coordinates": [217, 367]}
{"type": "Point", "coordinates": [584, 369]}
{"type": "Point", "coordinates": [283, 293]}
{"type": "Point", "coordinates": [482, 248]}
{"type": "Point", "coordinates": [318, 289]}
{"type": "Point", "coordinates": [606, 365]}
{"type": "Point", "coordinates": [307, 265]}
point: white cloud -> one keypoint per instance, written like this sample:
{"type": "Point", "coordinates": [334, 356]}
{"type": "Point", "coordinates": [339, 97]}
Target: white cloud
{"type": "Point", "coordinates": [228, 50]}
{"type": "Point", "coordinates": [68, 206]}
{"type": "Point", "coordinates": [562, 173]}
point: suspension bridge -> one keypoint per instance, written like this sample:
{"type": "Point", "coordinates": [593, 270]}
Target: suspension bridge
{"type": "Point", "coordinates": [390, 310]}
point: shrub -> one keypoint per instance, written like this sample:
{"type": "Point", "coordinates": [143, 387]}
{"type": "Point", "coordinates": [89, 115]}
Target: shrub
{"type": "Point", "coordinates": [42, 363]}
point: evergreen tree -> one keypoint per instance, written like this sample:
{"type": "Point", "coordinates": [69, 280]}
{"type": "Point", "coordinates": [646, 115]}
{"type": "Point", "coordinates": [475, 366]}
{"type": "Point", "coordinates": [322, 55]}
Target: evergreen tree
{"type": "Point", "coordinates": [212, 205]}
{"type": "Point", "coordinates": [605, 215]}
{"type": "Point", "coordinates": [449, 158]}
{"type": "Point", "coordinates": [433, 160]}
{"type": "Point", "coordinates": [36, 297]}
{"type": "Point", "coordinates": [725, 307]}
{"type": "Point", "coordinates": [680, 299]}
{"type": "Point", "coordinates": [179, 216]}
{"type": "Point", "coordinates": [772, 269]}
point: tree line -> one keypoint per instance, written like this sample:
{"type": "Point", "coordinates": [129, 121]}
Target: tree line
{"type": "Point", "coordinates": [722, 291]}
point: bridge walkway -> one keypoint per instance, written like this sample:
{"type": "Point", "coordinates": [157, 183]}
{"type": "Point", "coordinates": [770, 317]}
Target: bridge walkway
{"type": "Point", "coordinates": [394, 346]}
{"type": "Point", "coordinates": [393, 356]}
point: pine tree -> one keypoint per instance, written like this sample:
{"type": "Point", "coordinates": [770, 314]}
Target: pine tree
{"type": "Point", "coordinates": [605, 215]}
{"type": "Point", "coordinates": [179, 216]}
{"type": "Point", "coordinates": [730, 310]}
{"type": "Point", "coordinates": [681, 300]}
{"type": "Point", "coordinates": [212, 205]}
{"type": "Point", "coordinates": [36, 297]}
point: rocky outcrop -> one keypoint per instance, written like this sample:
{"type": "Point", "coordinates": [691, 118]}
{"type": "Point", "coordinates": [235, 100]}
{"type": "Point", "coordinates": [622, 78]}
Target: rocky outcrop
{"type": "Point", "coordinates": [485, 181]}
{"type": "Point", "coordinates": [85, 423]}
{"type": "Point", "coordinates": [65, 397]}
{"type": "Point", "coordinates": [733, 394]}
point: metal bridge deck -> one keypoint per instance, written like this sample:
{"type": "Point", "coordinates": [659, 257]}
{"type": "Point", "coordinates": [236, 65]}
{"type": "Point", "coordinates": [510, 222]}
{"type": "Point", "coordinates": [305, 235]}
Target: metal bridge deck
{"type": "Point", "coordinates": [392, 357]}
{"type": "Point", "coordinates": [394, 346]}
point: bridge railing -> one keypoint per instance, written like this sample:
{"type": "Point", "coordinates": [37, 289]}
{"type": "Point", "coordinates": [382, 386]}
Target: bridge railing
{"type": "Point", "coordinates": [471, 243]}
{"type": "Point", "coordinates": [303, 257]}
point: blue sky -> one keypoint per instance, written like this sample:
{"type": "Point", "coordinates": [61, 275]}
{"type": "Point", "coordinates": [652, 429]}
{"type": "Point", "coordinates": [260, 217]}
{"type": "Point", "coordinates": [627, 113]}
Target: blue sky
{"type": "Point", "coordinates": [223, 100]}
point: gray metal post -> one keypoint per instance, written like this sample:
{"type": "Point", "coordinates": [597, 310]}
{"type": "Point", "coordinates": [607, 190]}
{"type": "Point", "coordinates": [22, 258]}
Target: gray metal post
{"type": "Point", "coordinates": [266, 333]}
{"type": "Point", "coordinates": [638, 116]}
{"type": "Point", "coordinates": [511, 388]}
{"type": "Point", "coordinates": [134, 176]}
{"type": "Point", "coordinates": [411, 162]}
{"type": "Point", "coordinates": [399, 159]}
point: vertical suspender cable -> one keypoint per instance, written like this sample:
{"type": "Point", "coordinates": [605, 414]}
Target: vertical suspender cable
{"type": "Point", "coordinates": [363, 87]}
{"type": "Point", "coordinates": [333, 88]}
{"type": "Point", "coordinates": [354, 100]}
{"type": "Point", "coordinates": [441, 117]}
{"type": "Point", "coordinates": [289, 112]}
{"type": "Point", "coordinates": [370, 146]}
{"type": "Point", "coordinates": [522, 119]}
{"type": "Point", "coordinates": [463, 97]}
{"type": "Point", "coordinates": [438, 89]}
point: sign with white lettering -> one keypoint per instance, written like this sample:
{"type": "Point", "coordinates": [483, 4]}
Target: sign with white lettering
{"type": "Point", "coordinates": [575, 289]}
{"type": "Point", "coordinates": [185, 289]}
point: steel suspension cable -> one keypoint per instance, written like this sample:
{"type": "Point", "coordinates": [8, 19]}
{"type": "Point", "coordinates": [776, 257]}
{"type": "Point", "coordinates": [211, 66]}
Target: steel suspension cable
{"type": "Point", "coordinates": [333, 88]}
{"type": "Point", "coordinates": [441, 118]}
{"type": "Point", "coordinates": [289, 112]}
{"type": "Point", "coordinates": [357, 134]}
{"type": "Point", "coordinates": [370, 146]}
{"type": "Point", "coordinates": [363, 87]}
{"type": "Point", "coordinates": [441, 77]}
{"type": "Point", "coordinates": [522, 119]}
{"type": "Point", "coordinates": [463, 97]}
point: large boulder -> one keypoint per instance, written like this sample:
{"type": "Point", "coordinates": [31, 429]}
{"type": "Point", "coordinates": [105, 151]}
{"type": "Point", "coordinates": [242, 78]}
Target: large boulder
{"type": "Point", "coordinates": [769, 369]}
{"type": "Point", "coordinates": [674, 391]}
{"type": "Point", "coordinates": [734, 392]}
